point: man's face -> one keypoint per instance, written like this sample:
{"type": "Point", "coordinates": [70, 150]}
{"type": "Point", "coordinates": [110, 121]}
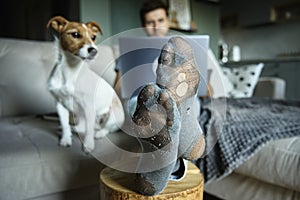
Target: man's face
{"type": "Point", "coordinates": [156, 23]}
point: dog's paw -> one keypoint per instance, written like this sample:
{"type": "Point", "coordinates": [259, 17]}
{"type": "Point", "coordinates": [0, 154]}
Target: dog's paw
{"type": "Point", "coordinates": [88, 146]}
{"type": "Point", "coordinates": [65, 141]}
{"type": "Point", "coordinates": [102, 133]}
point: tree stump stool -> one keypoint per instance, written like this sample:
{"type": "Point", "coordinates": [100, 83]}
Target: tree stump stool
{"type": "Point", "coordinates": [115, 185]}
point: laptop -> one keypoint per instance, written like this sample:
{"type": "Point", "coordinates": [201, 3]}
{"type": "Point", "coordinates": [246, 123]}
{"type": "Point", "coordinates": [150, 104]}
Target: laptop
{"type": "Point", "coordinates": [139, 59]}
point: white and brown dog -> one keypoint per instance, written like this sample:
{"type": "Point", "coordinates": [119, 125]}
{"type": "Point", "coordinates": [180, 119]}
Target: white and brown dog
{"type": "Point", "coordinates": [94, 104]}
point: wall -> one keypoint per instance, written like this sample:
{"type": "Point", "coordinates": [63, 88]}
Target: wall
{"type": "Point", "coordinates": [255, 33]}
{"type": "Point", "coordinates": [28, 19]}
{"type": "Point", "coordinates": [262, 40]}
{"type": "Point", "coordinates": [125, 15]}
{"type": "Point", "coordinates": [116, 16]}
{"type": "Point", "coordinates": [99, 11]}
{"type": "Point", "coordinates": [265, 42]}
{"type": "Point", "coordinates": [206, 16]}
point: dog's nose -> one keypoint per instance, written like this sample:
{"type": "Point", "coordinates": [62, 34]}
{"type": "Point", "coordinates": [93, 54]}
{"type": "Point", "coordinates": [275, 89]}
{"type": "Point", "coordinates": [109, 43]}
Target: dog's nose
{"type": "Point", "coordinates": [92, 51]}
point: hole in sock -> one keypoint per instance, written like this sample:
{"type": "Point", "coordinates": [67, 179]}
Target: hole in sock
{"type": "Point", "coordinates": [181, 89]}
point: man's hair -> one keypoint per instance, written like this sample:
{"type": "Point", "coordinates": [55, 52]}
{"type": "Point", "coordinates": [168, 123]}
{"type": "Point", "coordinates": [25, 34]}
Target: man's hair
{"type": "Point", "coordinates": [150, 5]}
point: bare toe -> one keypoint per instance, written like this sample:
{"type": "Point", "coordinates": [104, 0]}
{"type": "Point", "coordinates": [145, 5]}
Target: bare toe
{"type": "Point", "coordinates": [147, 92]}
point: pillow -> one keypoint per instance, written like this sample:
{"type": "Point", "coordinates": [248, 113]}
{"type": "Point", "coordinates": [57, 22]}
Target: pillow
{"type": "Point", "coordinates": [243, 79]}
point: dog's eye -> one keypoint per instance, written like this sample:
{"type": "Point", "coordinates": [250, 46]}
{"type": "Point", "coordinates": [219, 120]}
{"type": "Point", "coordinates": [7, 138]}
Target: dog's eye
{"type": "Point", "coordinates": [93, 37]}
{"type": "Point", "coordinates": [75, 35]}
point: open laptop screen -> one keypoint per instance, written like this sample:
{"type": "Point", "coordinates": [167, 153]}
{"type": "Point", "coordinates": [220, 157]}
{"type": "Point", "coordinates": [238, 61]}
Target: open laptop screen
{"type": "Point", "coordinates": [139, 59]}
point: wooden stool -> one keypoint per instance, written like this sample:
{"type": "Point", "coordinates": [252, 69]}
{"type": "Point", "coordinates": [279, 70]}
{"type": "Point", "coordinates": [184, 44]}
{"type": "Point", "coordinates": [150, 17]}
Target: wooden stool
{"type": "Point", "coordinates": [114, 186]}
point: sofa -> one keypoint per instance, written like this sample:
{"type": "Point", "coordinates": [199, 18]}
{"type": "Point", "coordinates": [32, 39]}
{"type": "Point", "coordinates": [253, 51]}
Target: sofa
{"type": "Point", "coordinates": [34, 166]}
{"type": "Point", "coordinates": [273, 172]}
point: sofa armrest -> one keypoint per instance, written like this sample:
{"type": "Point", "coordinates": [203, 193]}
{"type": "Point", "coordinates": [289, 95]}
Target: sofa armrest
{"type": "Point", "coordinates": [272, 87]}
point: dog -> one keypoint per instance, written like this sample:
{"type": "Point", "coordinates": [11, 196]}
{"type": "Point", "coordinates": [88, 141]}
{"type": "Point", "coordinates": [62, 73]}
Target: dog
{"type": "Point", "coordinates": [94, 105]}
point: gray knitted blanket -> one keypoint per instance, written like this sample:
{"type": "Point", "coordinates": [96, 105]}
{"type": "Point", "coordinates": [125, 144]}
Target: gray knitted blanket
{"type": "Point", "coordinates": [236, 133]}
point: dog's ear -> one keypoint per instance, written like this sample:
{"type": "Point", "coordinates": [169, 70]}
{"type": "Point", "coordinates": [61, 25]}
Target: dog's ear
{"type": "Point", "coordinates": [57, 23]}
{"type": "Point", "coordinates": [94, 26]}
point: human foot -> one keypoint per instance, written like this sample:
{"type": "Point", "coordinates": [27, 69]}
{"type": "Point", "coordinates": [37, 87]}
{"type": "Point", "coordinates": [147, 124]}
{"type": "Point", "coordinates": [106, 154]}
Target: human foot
{"type": "Point", "coordinates": [156, 117]}
{"type": "Point", "coordinates": [157, 125]}
{"type": "Point", "coordinates": [178, 73]}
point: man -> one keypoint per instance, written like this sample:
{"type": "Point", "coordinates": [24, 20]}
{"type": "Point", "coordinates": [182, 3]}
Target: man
{"type": "Point", "coordinates": [154, 18]}
{"type": "Point", "coordinates": [155, 21]}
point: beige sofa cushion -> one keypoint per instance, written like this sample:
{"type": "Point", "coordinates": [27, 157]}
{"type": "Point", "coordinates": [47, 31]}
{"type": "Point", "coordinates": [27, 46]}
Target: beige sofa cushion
{"type": "Point", "coordinates": [239, 187]}
{"type": "Point", "coordinates": [24, 70]}
{"type": "Point", "coordinates": [33, 164]}
{"type": "Point", "coordinates": [277, 163]}
{"type": "Point", "coordinates": [273, 87]}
